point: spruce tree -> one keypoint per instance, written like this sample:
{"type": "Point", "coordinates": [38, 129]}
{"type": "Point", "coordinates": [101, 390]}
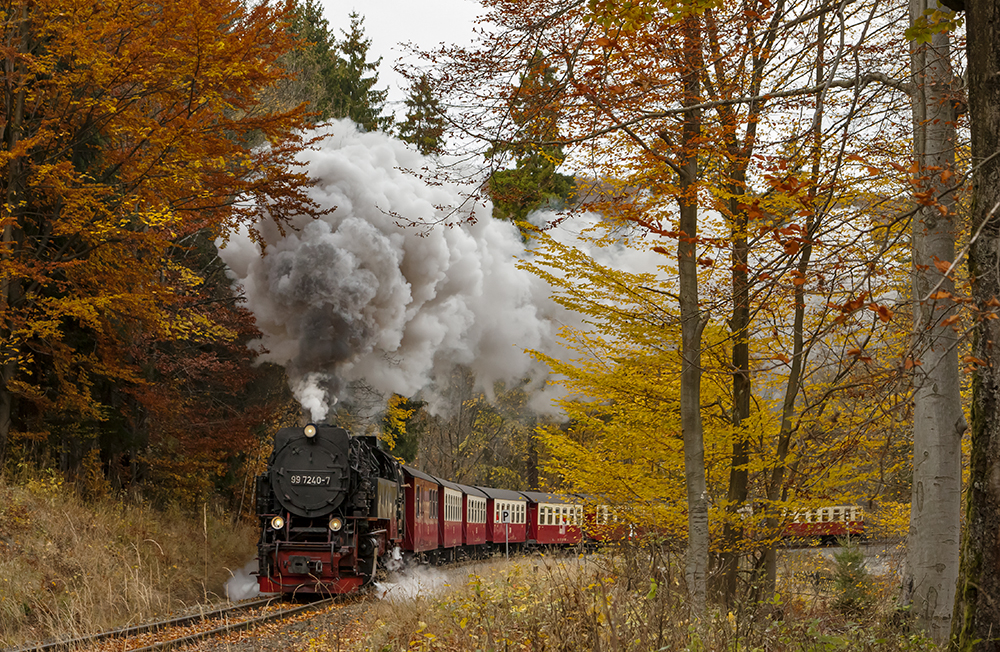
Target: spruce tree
{"type": "Point", "coordinates": [352, 92]}
{"type": "Point", "coordinates": [533, 183]}
{"type": "Point", "coordinates": [425, 122]}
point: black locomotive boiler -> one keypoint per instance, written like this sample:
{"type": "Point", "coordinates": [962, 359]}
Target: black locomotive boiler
{"type": "Point", "coordinates": [330, 506]}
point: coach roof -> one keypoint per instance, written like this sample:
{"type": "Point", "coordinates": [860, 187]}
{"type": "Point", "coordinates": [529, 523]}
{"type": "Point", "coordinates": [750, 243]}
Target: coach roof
{"type": "Point", "coordinates": [420, 474]}
{"type": "Point", "coordinates": [472, 491]}
{"type": "Point", "coordinates": [543, 497]}
{"type": "Point", "coordinates": [502, 494]}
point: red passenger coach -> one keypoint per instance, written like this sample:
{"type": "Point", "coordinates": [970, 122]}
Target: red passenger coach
{"type": "Point", "coordinates": [506, 516]}
{"type": "Point", "coordinates": [450, 517]}
{"type": "Point", "coordinates": [826, 523]}
{"type": "Point", "coordinates": [553, 519]}
{"type": "Point", "coordinates": [421, 511]}
{"type": "Point", "coordinates": [473, 516]}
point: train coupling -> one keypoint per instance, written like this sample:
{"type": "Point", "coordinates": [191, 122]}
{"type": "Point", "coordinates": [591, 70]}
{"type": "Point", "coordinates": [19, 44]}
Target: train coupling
{"type": "Point", "coordinates": [301, 565]}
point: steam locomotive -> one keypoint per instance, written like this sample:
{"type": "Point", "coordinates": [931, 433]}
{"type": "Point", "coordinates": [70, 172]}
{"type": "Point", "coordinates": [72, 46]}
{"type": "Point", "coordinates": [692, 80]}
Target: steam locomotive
{"type": "Point", "coordinates": [334, 509]}
{"type": "Point", "coordinates": [330, 506]}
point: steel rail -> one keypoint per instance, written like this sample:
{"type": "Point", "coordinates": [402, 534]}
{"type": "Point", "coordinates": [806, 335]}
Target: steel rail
{"type": "Point", "coordinates": [136, 630]}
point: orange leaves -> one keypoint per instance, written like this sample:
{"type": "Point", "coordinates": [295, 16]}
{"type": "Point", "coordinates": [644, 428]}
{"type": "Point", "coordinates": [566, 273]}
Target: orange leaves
{"type": "Point", "coordinates": [859, 354]}
{"type": "Point", "coordinates": [943, 266]}
{"type": "Point", "coordinates": [140, 147]}
{"type": "Point", "coordinates": [972, 363]}
{"type": "Point", "coordinates": [882, 312]}
{"type": "Point", "coordinates": [948, 321]}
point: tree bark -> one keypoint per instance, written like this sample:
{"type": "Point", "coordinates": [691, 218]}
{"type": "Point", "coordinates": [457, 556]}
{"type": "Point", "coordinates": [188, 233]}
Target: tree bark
{"type": "Point", "coordinates": [692, 325]}
{"type": "Point", "coordinates": [976, 622]}
{"type": "Point", "coordinates": [938, 424]}
{"type": "Point", "coordinates": [14, 96]}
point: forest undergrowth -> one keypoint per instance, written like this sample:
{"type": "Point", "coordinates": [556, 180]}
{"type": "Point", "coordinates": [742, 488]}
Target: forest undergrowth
{"type": "Point", "coordinates": [630, 600]}
{"type": "Point", "coordinates": [70, 566]}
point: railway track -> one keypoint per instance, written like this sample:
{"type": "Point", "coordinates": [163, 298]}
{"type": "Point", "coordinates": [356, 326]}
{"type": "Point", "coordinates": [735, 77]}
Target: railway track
{"type": "Point", "coordinates": [176, 632]}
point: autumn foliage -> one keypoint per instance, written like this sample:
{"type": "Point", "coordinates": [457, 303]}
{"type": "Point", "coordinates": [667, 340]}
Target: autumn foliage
{"type": "Point", "coordinates": [134, 136]}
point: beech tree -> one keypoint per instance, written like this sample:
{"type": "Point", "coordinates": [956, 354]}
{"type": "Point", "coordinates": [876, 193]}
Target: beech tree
{"type": "Point", "coordinates": [938, 421]}
{"type": "Point", "coordinates": [666, 104]}
{"type": "Point", "coordinates": [126, 133]}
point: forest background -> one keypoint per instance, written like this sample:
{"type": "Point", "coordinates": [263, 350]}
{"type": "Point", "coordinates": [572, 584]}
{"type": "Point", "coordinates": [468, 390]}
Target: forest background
{"type": "Point", "coordinates": [765, 151]}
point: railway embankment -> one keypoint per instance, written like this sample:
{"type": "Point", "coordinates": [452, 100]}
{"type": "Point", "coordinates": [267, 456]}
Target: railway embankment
{"type": "Point", "coordinates": [71, 566]}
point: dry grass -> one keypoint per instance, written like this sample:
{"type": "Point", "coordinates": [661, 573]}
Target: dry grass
{"type": "Point", "coordinates": [630, 600]}
{"type": "Point", "coordinates": [70, 567]}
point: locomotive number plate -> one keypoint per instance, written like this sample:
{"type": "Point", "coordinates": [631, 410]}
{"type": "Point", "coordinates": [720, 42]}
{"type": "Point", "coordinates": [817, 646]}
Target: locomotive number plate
{"type": "Point", "coordinates": [310, 480]}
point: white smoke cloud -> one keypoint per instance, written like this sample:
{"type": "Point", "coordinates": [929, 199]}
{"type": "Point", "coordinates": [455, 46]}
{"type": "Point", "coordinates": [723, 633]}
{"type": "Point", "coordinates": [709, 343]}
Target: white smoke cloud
{"type": "Point", "coordinates": [355, 296]}
{"type": "Point", "coordinates": [242, 585]}
{"type": "Point", "coordinates": [417, 581]}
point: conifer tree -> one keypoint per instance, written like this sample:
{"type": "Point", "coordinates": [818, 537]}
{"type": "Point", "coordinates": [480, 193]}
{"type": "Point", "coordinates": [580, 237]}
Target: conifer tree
{"type": "Point", "coordinates": [425, 121]}
{"type": "Point", "coordinates": [533, 183]}
{"type": "Point", "coordinates": [314, 63]}
{"type": "Point", "coordinates": [353, 94]}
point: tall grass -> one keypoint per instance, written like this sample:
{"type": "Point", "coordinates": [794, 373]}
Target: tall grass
{"type": "Point", "coordinates": [630, 599]}
{"type": "Point", "coordinates": [70, 567]}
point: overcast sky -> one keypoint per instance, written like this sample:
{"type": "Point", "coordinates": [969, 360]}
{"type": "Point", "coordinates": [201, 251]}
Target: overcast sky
{"type": "Point", "coordinates": [426, 23]}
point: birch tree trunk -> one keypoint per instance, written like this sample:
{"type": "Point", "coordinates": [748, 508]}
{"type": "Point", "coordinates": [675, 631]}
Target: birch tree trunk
{"type": "Point", "coordinates": [976, 623]}
{"type": "Point", "coordinates": [938, 423]}
{"type": "Point", "coordinates": [692, 325]}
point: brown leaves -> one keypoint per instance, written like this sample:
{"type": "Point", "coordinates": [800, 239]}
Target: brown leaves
{"type": "Point", "coordinates": [140, 148]}
{"type": "Point", "coordinates": [884, 313]}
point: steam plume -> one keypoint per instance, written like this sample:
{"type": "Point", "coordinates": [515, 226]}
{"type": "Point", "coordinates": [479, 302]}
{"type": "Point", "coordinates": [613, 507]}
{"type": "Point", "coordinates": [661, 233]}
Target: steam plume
{"type": "Point", "coordinates": [355, 296]}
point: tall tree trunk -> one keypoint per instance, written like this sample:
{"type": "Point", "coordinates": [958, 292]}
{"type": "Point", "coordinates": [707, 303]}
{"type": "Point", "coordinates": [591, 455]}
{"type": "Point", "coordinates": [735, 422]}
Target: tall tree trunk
{"type": "Point", "coordinates": [776, 488]}
{"type": "Point", "coordinates": [976, 625]}
{"type": "Point", "coordinates": [739, 326]}
{"type": "Point", "coordinates": [14, 96]}
{"type": "Point", "coordinates": [938, 424]}
{"type": "Point", "coordinates": [692, 325]}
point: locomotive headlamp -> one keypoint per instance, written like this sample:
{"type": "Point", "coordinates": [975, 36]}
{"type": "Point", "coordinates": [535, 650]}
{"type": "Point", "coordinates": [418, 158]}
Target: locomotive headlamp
{"type": "Point", "coordinates": [277, 522]}
{"type": "Point", "coordinates": [309, 431]}
{"type": "Point", "coordinates": [336, 523]}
